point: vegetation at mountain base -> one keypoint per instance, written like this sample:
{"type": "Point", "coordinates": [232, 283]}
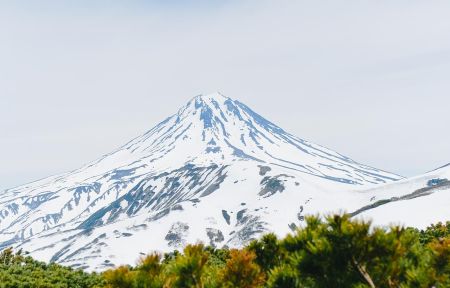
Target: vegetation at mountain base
{"type": "Point", "coordinates": [17, 270]}
{"type": "Point", "coordinates": [435, 231]}
{"type": "Point", "coordinates": [335, 251]}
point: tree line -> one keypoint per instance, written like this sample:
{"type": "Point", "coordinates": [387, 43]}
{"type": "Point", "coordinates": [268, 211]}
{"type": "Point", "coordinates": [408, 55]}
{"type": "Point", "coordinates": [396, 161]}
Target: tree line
{"type": "Point", "coordinates": [334, 251]}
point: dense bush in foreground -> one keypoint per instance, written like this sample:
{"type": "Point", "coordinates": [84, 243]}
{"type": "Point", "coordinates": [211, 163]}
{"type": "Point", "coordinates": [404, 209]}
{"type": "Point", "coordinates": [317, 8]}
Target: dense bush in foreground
{"type": "Point", "coordinates": [335, 252]}
{"type": "Point", "coordinates": [20, 271]}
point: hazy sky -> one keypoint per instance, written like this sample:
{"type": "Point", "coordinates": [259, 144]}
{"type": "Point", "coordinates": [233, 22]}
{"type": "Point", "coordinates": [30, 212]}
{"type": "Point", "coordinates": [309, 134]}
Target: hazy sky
{"type": "Point", "coordinates": [369, 79]}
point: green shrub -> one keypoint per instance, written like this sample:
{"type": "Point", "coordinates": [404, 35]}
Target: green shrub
{"type": "Point", "coordinates": [335, 251]}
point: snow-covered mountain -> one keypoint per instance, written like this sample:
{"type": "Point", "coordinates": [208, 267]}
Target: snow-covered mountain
{"type": "Point", "coordinates": [215, 171]}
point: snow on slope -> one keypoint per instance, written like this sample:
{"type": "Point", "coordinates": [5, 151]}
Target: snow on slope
{"type": "Point", "coordinates": [215, 171]}
{"type": "Point", "coordinates": [417, 202]}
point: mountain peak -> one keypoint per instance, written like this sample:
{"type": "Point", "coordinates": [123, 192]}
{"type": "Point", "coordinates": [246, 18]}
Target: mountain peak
{"type": "Point", "coordinates": [213, 101]}
{"type": "Point", "coordinates": [205, 103]}
{"type": "Point", "coordinates": [214, 110]}
{"type": "Point", "coordinates": [217, 96]}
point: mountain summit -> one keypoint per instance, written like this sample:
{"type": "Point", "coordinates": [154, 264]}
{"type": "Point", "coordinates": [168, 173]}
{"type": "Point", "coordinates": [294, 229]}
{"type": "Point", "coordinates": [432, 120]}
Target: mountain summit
{"type": "Point", "coordinates": [215, 171]}
{"type": "Point", "coordinates": [213, 128]}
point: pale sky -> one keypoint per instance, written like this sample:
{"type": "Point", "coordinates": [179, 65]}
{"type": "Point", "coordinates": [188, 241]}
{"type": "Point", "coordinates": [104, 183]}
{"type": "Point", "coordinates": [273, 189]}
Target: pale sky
{"type": "Point", "coordinates": [368, 79]}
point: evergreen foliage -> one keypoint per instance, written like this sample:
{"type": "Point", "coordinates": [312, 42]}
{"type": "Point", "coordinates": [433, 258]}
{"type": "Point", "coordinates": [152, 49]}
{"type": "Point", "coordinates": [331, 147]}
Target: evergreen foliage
{"type": "Point", "coordinates": [17, 270]}
{"type": "Point", "coordinates": [435, 231]}
{"type": "Point", "coordinates": [334, 251]}
{"type": "Point", "coordinates": [241, 270]}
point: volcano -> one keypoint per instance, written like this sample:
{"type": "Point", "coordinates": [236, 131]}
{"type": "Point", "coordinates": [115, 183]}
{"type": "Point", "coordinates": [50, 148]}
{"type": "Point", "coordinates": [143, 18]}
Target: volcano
{"type": "Point", "coordinates": [215, 172]}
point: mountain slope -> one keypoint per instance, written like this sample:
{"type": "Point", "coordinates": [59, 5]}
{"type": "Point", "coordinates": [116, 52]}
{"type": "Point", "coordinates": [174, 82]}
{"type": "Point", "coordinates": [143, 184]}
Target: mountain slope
{"type": "Point", "coordinates": [417, 201]}
{"type": "Point", "coordinates": [215, 171]}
